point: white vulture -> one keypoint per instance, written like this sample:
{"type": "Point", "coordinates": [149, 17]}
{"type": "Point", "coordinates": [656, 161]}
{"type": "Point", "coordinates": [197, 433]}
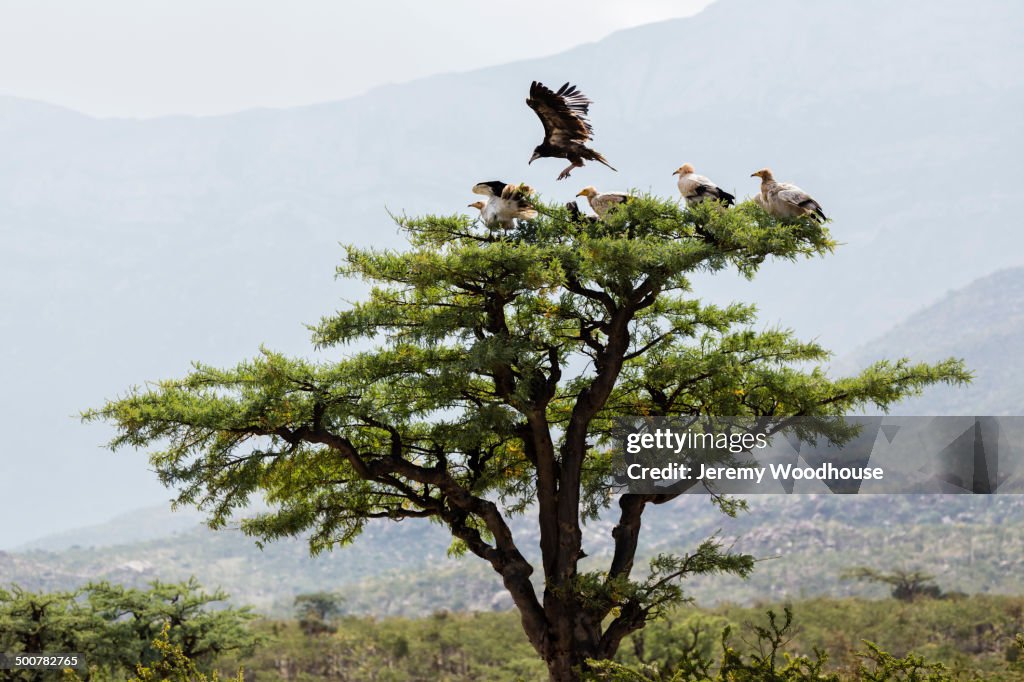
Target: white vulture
{"type": "Point", "coordinates": [697, 188]}
{"type": "Point", "coordinates": [504, 203]}
{"type": "Point", "coordinates": [602, 202]}
{"type": "Point", "coordinates": [783, 200]}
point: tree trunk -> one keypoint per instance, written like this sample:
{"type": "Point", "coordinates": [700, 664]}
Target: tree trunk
{"type": "Point", "coordinates": [561, 668]}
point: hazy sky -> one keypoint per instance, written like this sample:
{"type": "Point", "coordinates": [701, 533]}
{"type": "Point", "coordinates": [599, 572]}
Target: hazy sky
{"type": "Point", "coordinates": [144, 58]}
{"type": "Point", "coordinates": [155, 57]}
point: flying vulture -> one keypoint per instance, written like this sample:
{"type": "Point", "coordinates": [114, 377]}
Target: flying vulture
{"type": "Point", "coordinates": [783, 200]}
{"type": "Point", "coordinates": [504, 203]}
{"type": "Point", "coordinates": [697, 188]}
{"type": "Point", "coordinates": [566, 128]}
{"type": "Point", "coordinates": [602, 202]}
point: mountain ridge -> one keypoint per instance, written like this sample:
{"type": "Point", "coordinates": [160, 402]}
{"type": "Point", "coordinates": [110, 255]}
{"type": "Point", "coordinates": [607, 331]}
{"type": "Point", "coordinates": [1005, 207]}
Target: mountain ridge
{"type": "Point", "coordinates": [137, 246]}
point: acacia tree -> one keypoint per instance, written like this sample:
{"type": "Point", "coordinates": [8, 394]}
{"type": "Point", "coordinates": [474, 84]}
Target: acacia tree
{"type": "Point", "coordinates": [114, 626]}
{"type": "Point", "coordinates": [496, 364]}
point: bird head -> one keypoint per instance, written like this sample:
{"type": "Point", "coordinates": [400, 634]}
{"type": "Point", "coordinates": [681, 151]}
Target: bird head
{"type": "Point", "coordinates": [478, 205]}
{"type": "Point", "coordinates": [536, 155]}
{"type": "Point", "coordinates": [764, 174]}
{"type": "Point", "coordinates": [588, 192]}
{"type": "Point", "coordinates": [684, 169]}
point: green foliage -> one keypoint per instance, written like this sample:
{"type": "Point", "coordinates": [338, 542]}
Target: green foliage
{"type": "Point", "coordinates": [483, 647]}
{"type": "Point", "coordinates": [768, 664]}
{"type": "Point", "coordinates": [171, 665]}
{"type": "Point", "coordinates": [316, 611]}
{"type": "Point", "coordinates": [973, 638]}
{"type": "Point", "coordinates": [489, 370]}
{"type": "Point", "coordinates": [428, 390]}
{"type": "Point", "coordinates": [906, 585]}
{"type": "Point", "coordinates": [114, 627]}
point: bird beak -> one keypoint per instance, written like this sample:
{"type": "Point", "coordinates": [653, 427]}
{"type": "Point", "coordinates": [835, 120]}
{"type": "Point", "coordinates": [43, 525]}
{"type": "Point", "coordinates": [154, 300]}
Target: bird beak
{"type": "Point", "coordinates": [753, 175]}
{"type": "Point", "coordinates": [580, 193]}
{"type": "Point", "coordinates": [533, 158]}
{"type": "Point", "coordinates": [470, 206]}
{"type": "Point", "coordinates": [675, 172]}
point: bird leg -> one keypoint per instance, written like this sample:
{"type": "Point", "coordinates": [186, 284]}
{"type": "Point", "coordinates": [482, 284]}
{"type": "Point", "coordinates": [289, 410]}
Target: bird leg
{"type": "Point", "coordinates": [564, 174]}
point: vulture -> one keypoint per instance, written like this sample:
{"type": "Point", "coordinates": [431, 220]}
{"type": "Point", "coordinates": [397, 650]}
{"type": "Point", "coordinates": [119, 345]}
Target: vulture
{"type": "Point", "coordinates": [578, 216]}
{"type": "Point", "coordinates": [697, 188]}
{"type": "Point", "coordinates": [504, 203]}
{"type": "Point", "coordinates": [566, 128]}
{"type": "Point", "coordinates": [784, 201]}
{"type": "Point", "coordinates": [602, 202]}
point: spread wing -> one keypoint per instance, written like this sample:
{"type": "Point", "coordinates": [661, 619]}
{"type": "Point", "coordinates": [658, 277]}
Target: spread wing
{"type": "Point", "coordinates": [563, 113]}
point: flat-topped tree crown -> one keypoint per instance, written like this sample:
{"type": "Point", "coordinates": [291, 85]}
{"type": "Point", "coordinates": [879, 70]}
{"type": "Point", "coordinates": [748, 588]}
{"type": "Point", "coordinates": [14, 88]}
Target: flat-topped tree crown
{"type": "Point", "coordinates": [477, 381]}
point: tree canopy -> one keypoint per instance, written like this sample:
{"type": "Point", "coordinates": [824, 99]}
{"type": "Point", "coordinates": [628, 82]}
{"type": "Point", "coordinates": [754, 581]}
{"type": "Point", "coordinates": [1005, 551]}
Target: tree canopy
{"type": "Point", "coordinates": [479, 380]}
{"type": "Point", "coordinates": [114, 627]}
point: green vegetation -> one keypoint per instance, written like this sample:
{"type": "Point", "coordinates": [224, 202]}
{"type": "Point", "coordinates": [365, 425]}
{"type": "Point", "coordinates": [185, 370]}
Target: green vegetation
{"type": "Point", "coordinates": [966, 638]}
{"type": "Point", "coordinates": [906, 585]}
{"type": "Point", "coordinates": [172, 665]}
{"type": "Point", "coordinates": [115, 627]}
{"type": "Point", "coordinates": [971, 543]}
{"type": "Point", "coordinates": [496, 365]}
{"type": "Point", "coordinates": [957, 637]}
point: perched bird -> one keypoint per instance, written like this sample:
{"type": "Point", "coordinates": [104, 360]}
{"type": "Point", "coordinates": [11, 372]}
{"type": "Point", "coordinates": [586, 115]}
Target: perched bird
{"type": "Point", "coordinates": [578, 216]}
{"type": "Point", "coordinates": [602, 202]}
{"type": "Point", "coordinates": [783, 200]}
{"type": "Point", "coordinates": [504, 203]}
{"type": "Point", "coordinates": [697, 188]}
{"type": "Point", "coordinates": [566, 128]}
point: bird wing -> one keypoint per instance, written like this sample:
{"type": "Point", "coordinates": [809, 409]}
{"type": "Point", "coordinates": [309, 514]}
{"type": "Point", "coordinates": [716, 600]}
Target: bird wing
{"type": "Point", "coordinates": [799, 200]}
{"type": "Point", "coordinates": [563, 113]}
{"type": "Point", "coordinates": [791, 194]}
{"type": "Point", "coordinates": [492, 188]}
{"type": "Point", "coordinates": [705, 187]}
{"type": "Point", "coordinates": [697, 186]}
{"type": "Point", "coordinates": [604, 201]}
{"type": "Point", "coordinates": [517, 199]}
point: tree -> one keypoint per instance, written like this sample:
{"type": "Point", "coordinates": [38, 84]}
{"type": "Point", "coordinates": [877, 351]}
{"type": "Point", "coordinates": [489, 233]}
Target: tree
{"type": "Point", "coordinates": [316, 610]}
{"type": "Point", "coordinates": [906, 585]}
{"type": "Point", "coordinates": [171, 665]}
{"type": "Point", "coordinates": [114, 627]}
{"type": "Point", "coordinates": [484, 374]}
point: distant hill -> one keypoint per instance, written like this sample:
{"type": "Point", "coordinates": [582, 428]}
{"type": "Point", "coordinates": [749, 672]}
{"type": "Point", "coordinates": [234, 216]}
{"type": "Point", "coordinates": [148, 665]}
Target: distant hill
{"type": "Point", "coordinates": [132, 247]}
{"type": "Point", "coordinates": [135, 526]}
{"type": "Point", "coordinates": [983, 323]}
{"type": "Point", "coordinates": [973, 544]}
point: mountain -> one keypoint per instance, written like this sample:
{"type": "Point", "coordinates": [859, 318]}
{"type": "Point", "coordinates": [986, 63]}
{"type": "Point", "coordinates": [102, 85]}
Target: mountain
{"type": "Point", "coordinates": [971, 543]}
{"type": "Point", "coordinates": [135, 526]}
{"type": "Point", "coordinates": [983, 323]}
{"type": "Point", "coordinates": [132, 247]}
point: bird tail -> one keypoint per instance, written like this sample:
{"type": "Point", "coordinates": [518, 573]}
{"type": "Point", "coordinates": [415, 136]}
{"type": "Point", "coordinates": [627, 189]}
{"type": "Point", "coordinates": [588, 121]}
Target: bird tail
{"type": "Point", "coordinates": [592, 155]}
{"type": "Point", "coordinates": [727, 198]}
